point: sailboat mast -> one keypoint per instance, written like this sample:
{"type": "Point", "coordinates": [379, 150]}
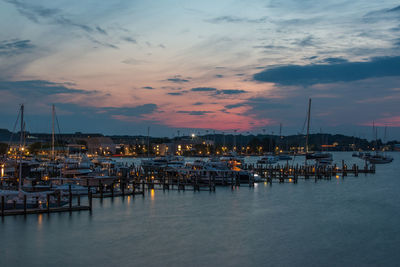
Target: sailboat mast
{"type": "Point", "coordinates": [52, 133]}
{"type": "Point", "coordinates": [148, 142]}
{"type": "Point", "coordinates": [21, 147]}
{"type": "Point", "coordinates": [308, 123]}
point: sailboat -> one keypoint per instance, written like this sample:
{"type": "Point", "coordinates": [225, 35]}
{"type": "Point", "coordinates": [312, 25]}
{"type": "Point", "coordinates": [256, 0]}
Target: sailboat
{"type": "Point", "coordinates": [321, 158]}
{"type": "Point", "coordinates": [18, 199]}
{"type": "Point", "coordinates": [378, 158]}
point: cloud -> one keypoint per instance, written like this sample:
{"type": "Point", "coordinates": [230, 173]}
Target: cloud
{"type": "Point", "coordinates": [15, 47]}
{"type": "Point", "coordinates": [330, 73]}
{"type": "Point", "coordinates": [216, 91]}
{"type": "Point", "coordinates": [33, 12]}
{"type": "Point", "coordinates": [198, 104]}
{"type": "Point", "coordinates": [148, 87]}
{"type": "Point", "coordinates": [101, 30]}
{"type": "Point", "coordinates": [334, 60]}
{"type": "Point", "coordinates": [178, 79]}
{"type": "Point", "coordinates": [219, 76]}
{"type": "Point", "coordinates": [259, 103]}
{"type": "Point", "coordinates": [383, 14]}
{"type": "Point", "coordinates": [131, 111]}
{"type": "Point", "coordinates": [195, 113]}
{"type": "Point", "coordinates": [270, 46]}
{"type": "Point", "coordinates": [231, 91]}
{"type": "Point", "coordinates": [306, 41]}
{"type": "Point", "coordinates": [40, 14]}
{"type": "Point", "coordinates": [395, 9]}
{"type": "Point", "coordinates": [203, 89]}
{"type": "Point", "coordinates": [234, 19]}
{"type": "Point", "coordinates": [129, 39]}
{"type": "Point", "coordinates": [175, 93]}
{"type": "Point", "coordinates": [133, 61]}
{"type": "Point", "coordinates": [238, 105]}
{"type": "Point", "coordinates": [39, 88]}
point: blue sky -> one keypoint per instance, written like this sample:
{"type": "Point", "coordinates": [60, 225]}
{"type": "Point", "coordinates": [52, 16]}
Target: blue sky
{"type": "Point", "coordinates": [118, 67]}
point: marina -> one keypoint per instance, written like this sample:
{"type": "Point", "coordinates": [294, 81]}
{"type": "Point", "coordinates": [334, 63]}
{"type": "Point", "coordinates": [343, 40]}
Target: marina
{"type": "Point", "coordinates": [238, 226]}
{"type": "Point", "coordinates": [199, 133]}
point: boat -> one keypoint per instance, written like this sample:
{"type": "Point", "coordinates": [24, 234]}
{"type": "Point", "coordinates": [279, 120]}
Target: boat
{"type": "Point", "coordinates": [75, 189]}
{"type": "Point", "coordinates": [319, 155]}
{"type": "Point", "coordinates": [284, 157]}
{"type": "Point", "coordinates": [379, 159]}
{"type": "Point", "coordinates": [163, 162]}
{"type": "Point", "coordinates": [221, 172]}
{"type": "Point", "coordinates": [20, 199]}
{"type": "Point", "coordinates": [268, 160]}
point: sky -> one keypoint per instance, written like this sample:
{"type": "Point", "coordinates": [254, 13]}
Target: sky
{"type": "Point", "coordinates": [119, 67]}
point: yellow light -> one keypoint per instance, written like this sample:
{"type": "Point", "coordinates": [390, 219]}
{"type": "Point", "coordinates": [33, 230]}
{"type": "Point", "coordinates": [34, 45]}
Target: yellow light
{"type": "Point", "coordinates": [337, 176]}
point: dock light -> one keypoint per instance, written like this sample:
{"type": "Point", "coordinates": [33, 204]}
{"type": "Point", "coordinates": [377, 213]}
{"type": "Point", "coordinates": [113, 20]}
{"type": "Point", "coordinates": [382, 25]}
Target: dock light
{"type": "Point", "coordinates": [337, 176]}
{"type": "Point", "coordinates": [193, 135]}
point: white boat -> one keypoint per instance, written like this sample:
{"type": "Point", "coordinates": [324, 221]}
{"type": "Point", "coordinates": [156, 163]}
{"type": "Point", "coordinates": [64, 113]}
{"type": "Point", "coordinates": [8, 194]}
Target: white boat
{"type": "Point", "coordinates": [75, 189]}
{"type": "Point", "coordinates": [380, 159]}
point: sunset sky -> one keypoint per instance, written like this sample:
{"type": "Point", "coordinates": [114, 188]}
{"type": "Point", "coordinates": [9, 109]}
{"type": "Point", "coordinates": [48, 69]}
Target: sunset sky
{"type": "Point", "coordinates": [117, 67]}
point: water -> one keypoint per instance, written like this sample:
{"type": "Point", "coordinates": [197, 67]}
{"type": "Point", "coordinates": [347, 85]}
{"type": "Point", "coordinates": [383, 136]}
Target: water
{"type": "Point", "coordinates": [343, 222]}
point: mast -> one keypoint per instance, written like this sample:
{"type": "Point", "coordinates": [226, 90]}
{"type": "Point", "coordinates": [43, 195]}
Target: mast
{"type": "Point", "coordinates": [21, 147]}
{"type": "Point", "coordinates": [52, 133]}
{"type": "Point", "coordinates": [148, 142]}
{"type": "Point", "coordinates": [308, 123]}
{"type": "Point", "coordinates": [308, 130]}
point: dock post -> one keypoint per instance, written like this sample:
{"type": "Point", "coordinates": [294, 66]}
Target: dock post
{"type": "Point", "coordinates": [209, 181]}
{"type": "Point", "coordinates": [24, 204]}
{"type": "Point", "coordinates": [122, 185]}
{"type": "Point", "coordinates": [90, 200]}
{"type": "Point", "coordinates": [112, 190]}
{"type": "Point", "coordinates": [2, 205]}
{"type": "Point", "coordinates": [101, 189]}
{"type": "Point", "coordinates": [79, 200]}
{"type": "Point", "coordinates": [48, 203]}
{"type": "Point", "coordinates": [70, 197]}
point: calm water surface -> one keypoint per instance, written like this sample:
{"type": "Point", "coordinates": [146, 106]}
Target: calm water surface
{"type": "Point", "coordinates": [343, 222]}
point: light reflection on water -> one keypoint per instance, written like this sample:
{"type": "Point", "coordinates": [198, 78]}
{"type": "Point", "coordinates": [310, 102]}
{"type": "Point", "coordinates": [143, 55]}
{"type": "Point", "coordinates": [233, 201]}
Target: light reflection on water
{"type": "Point", "coordinates": [351, 221]}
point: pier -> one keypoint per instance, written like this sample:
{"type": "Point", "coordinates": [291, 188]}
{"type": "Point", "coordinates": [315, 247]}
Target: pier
{"type": "Point", "coordinates": [53, 203]}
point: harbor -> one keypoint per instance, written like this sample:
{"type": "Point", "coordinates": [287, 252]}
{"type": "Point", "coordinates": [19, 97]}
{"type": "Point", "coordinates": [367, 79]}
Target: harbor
{"type": "Point", "coordinates": [183, 224]}
{"type": "Point", "coordinates": [199, 133]}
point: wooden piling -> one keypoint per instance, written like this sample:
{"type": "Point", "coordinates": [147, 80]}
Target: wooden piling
{"type": "Point", "coordinates": [70, 197]}
{"type": "Point", "coordinates": [24, 204]}
{"type": "Point", "coordinates": [48, 203]}
{"type": "Point", "coordinates": [2, 205]}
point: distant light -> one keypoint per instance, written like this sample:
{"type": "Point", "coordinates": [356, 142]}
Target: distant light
{"type": "Point", "coordinates": [193, 135]}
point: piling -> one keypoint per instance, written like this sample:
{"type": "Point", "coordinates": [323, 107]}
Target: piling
{"type": "Point", "coordinates": [70, 197]}
{"type": "Point", "coordinates": [2, 205]}
{"type": "Point", "coordinates": [48, 203]}
{"type": "Point", "coordinates": [24, 204]}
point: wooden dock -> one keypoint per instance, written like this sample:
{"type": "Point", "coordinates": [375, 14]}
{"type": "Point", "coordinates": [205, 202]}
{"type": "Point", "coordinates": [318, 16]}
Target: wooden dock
{"type": "Point", "coordinates": [40, 211]}
{"type": "Point", "coordinates": [58, 205]}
